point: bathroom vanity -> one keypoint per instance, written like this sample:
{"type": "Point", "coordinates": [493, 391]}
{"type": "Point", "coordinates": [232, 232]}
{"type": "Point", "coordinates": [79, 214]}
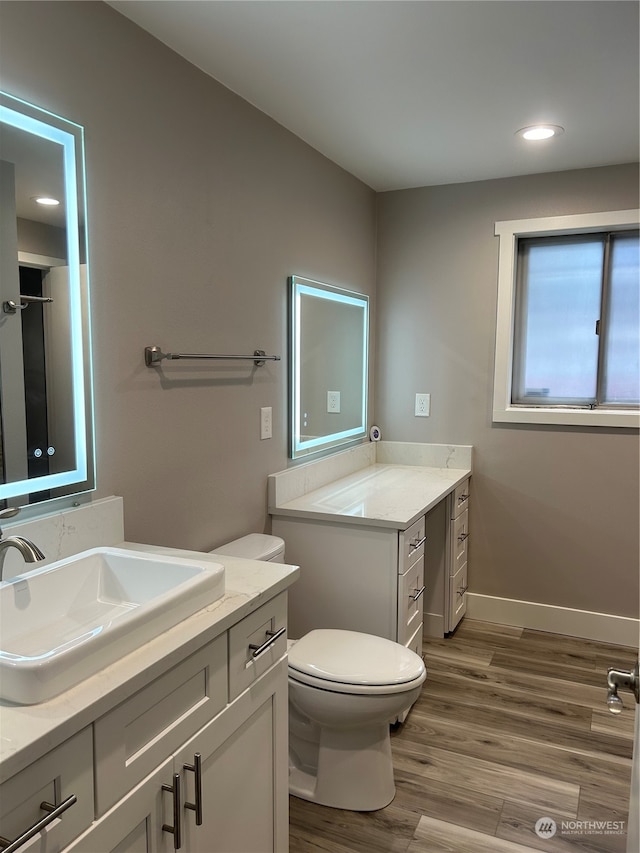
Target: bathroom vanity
{"type": "Point", "coordinates": [381, 535]}
{"type": "Point", "coordinates": [181, 744]}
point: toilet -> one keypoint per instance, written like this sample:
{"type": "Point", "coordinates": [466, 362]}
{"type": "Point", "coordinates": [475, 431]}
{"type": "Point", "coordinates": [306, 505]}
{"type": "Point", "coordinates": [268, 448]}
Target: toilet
{"type": "Point", "coordinates": [345, 688]}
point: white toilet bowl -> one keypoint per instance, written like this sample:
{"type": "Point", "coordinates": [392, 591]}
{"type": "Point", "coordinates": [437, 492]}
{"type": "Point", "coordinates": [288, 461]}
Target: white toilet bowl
{"type": "Point", "coordinates": [344, 690]}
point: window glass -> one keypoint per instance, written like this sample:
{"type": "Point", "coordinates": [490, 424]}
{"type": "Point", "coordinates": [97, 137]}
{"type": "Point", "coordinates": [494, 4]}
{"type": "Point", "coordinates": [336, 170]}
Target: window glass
{"type": "Point", "coordinates": [558, 306]}
{"type": "Point", "coordinates": [622, 362]}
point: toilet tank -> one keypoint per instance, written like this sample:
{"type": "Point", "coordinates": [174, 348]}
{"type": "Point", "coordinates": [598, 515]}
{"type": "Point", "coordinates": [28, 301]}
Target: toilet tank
{"type": "Point", "coordinates": [255, 546]}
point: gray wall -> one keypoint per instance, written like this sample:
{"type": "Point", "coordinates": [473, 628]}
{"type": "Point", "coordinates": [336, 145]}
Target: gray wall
{"type": "Point", "coordinates": [199, 208]}
{"type": "Point", "coordinates": [555, 510]}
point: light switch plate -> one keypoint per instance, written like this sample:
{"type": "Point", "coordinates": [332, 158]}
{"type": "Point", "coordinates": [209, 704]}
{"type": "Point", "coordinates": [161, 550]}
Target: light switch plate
{"type": "Point", "coordinates": [266, 422]}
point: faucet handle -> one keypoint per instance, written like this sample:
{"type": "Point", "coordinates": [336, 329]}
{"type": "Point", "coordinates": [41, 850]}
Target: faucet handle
{"type": "Point", "coordinates": [8, 512]}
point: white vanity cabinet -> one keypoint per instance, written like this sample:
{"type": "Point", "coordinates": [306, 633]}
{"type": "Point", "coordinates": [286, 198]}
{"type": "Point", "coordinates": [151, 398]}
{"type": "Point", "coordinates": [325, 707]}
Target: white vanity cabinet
{"type": "Point", "coordinates": [381, 549]}
{"type": "Point", "coordinates": [194, 760]}
{"type": "Point", "coordinates": [356, 577]}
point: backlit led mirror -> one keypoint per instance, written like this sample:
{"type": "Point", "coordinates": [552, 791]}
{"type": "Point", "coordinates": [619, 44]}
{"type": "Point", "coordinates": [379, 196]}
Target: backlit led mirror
{"type": "Point", "coordinates": [46, 448]}
{"type": "Point", "coordinates": [329, 344]}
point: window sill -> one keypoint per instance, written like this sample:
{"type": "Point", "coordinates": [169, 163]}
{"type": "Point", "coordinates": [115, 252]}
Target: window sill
{"type": "Point", "coordinates": [567, 417]}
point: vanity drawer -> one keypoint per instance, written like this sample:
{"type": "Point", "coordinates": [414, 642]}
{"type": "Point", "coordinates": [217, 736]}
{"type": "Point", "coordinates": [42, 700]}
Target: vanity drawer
{"type": "Point", "coordinates": [457, 596]}
{"type": "Point", "coordinates": [412, 542]}
{"type": "Point", "coordinates": [460, 540]}
{"type": "Point", "coordinates": [460, 499]}
{"type": "Point", "coordinates": [66, 770]}
{"type": "Point", "coordinates": [410, 592]}
{"type": "Point", "coordinates": [415, 641]}
{"type": "Point", "coordinates": [137, 735]}
{"type": "Point", "coordinates": [256, 643]}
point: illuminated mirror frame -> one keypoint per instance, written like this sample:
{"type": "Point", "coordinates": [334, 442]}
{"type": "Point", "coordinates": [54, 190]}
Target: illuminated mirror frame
{"type": "Point", "coordinates": [70, 136]}
{"type": "Point", "coordinates": [299, 287]}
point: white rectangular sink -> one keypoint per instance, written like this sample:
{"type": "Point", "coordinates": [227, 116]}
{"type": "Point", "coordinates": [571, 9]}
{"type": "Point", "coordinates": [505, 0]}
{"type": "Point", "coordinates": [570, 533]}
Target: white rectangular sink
{"type": "Point", "coordinates": [67, 621]}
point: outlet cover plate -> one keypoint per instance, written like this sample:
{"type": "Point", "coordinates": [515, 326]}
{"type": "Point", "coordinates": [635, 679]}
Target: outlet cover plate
{"type": "Point", "coordinates": [333, 401]}
{"type": "Point", "coordinates": [423, 405]}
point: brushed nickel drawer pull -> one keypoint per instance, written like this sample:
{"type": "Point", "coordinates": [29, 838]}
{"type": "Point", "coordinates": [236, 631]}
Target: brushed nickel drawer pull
{"type": "Point", "coordinates": [463, 498]}
{"type": "Point", "coordinates": [462, 537]}
{"type": "Point", "coordinates": [462, 590]}
{"type": "Point", "coordinates": [418, 544]}
{"type": "Point", "coordinates": [272, 637]}
{"type": "Point", "coordinates": [176, 829]}
{"type": "Point", "coordinates": [54, 813]}
{"type": "Point", "coordinates": [196, 769]}
{"type": "Point", "coordinates": [418, 593]}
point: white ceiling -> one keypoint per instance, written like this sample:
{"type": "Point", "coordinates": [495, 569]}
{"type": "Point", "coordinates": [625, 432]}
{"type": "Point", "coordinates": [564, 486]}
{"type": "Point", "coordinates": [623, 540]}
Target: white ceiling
{"type": "Point", "coordinates": [405, 93]}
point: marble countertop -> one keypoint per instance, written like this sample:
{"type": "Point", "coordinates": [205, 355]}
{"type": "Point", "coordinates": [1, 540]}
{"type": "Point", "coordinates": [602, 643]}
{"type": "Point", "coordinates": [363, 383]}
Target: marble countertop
{"type": "Point", "coordinates": [387, 495]}
{"type": "Point", "coordinates": [29, 731]}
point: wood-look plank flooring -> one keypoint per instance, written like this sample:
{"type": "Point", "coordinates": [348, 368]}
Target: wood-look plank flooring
{"type": "Point", "coordinates": [511, 726]}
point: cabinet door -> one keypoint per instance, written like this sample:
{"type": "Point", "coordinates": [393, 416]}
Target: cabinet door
{"type": "Point", "coordinates": [245, 770]}
{"type": "Point", "coordinates": [135, 737]}
{"type": "Point", "coordinates": [65, 771]}
{"type": "Point", "coordinates": [410, 591]}
{"type": "Point", "coordinates": [134, 825]}
{"type": "Point", "coordinates": [460, 499]}
{"type": "Point", "coordinates": [411, 544]}
{"type": "Point", "coordinates": [459, 542]}
{"type": "Point", "coordinates": [457, 596]}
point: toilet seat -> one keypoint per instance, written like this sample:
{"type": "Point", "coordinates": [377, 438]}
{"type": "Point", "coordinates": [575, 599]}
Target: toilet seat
{"type": "Point", "coordinates": [354, 663]}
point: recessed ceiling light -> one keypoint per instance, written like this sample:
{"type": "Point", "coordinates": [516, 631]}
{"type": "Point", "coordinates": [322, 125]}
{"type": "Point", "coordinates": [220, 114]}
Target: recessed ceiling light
{"type": "Point", "coordinates": [46, 200]}
{"type": "Point", "coordinates": [540, 131]}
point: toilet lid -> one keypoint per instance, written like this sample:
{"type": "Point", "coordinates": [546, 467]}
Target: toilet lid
{"type": "Point", "coordinates": [349, 657]}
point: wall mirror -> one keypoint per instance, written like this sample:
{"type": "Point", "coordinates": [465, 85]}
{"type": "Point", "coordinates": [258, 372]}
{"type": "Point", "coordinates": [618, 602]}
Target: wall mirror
{"type": "Point", "coordinates": [46, 447]}
{"type": "Point", "coordinates": [329, 345]}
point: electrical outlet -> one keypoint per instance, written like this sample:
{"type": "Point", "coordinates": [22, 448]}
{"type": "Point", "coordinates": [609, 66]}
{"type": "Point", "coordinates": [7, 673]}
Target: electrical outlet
{"type": "Point", "coordinates": [423, 405]}
{"type": "Point", "coordinates": [333, 401]}
{"type": "Point", "coordinates": [266, 423]}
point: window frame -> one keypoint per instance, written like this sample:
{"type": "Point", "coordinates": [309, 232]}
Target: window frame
{"type": "Point", "coordinates": [509, 232]}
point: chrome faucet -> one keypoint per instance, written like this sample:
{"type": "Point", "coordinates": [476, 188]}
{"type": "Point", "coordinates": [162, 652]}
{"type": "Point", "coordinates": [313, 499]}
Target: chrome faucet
{"type": "Point", "coordinates": [30, 552]}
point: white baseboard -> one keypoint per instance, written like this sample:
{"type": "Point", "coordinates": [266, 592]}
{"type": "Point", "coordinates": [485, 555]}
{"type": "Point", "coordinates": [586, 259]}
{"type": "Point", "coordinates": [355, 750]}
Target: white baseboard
{"type": "Point", "coordinates": [619, 630]}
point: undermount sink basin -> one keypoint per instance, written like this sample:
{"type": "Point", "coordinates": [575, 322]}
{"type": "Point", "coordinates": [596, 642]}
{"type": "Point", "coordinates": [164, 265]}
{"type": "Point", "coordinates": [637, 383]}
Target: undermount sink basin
{"type": "Point", "coordinates": [67, 621]}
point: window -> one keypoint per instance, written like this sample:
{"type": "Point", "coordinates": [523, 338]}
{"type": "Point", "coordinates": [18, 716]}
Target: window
{"type": "Point", "coordinates": [568, 329]}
